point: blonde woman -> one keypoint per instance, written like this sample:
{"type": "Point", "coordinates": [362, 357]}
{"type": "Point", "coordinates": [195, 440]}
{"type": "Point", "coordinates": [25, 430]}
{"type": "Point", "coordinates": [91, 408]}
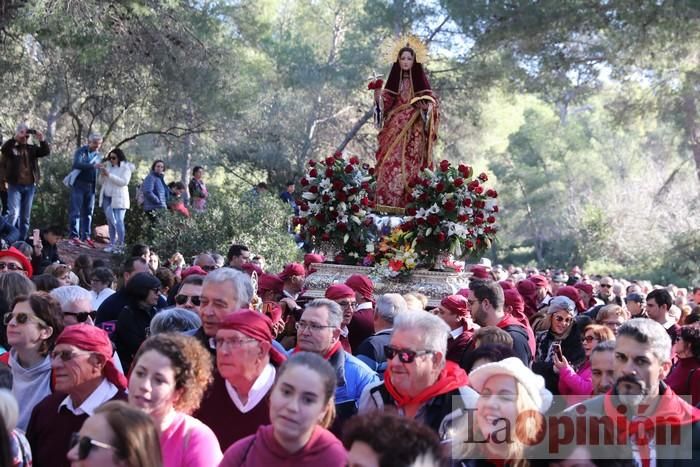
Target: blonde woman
{"type": "Point", "coordinates": [497, 433]}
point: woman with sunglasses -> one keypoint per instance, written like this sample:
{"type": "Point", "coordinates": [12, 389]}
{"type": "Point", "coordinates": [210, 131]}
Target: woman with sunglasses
{"type": "Point", "coordinates": [32, 328]}
{"type": "Point", "coordinates": [574, 382]}
{"type": "Point", "coordinates": [561, 337]}
{"type": "Point", "coordinates": [117, 435]}
{"type": "Point", "coordinates": [301, 408]}
{"type": "Point", "coordinates": [114, 197]}
{"type": "Point", "coordinates": [169, 377]}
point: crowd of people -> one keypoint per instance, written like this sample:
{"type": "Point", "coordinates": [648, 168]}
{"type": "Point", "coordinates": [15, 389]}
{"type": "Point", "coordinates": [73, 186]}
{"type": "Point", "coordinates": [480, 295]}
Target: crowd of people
{"type": "Point", "coordinates": [222, 362]}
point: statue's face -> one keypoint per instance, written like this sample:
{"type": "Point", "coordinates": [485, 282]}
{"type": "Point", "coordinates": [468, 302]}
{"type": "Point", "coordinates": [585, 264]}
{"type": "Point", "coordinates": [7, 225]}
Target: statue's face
{"type": "Point", "coordinates": [406, 60]}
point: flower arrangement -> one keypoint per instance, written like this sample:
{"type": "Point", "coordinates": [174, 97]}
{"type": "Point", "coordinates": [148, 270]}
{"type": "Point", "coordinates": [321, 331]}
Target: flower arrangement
{"type": "Point", "coordinates": [396, 255]}
{"type": "Point", "coordinates": [450, 211]}
{"type": "Point", "coordinates": [335, 205]}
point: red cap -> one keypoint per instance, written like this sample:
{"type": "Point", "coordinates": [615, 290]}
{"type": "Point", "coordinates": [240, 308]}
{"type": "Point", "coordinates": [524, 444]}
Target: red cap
{"type": "Point", "coordinates": [539, 280]}
{"type": "Point", "coordinates": [193, 271]}
{"type": "Point", "coordinates": [456, 304]}
{"type": "Point", "coordinates": [93, 339]}
{"type": "Point", "coordinates": [292, 269]}
{"type": "Point", "coordinates": [256, 326]}
{"type": "Point", "coordinates": [270, 282]}
{"type": "Point", "coordinates": [339, 291]}
{"type": "Point", "coordinates": [249, 268]}
{"type": "Point", "coordinates": [506, 285]}
{"type": "Point", "coordinates": [362, 285]}
{"type": "Point", "coordinates": [465, 292]}
{"type": "Point", "coordinates": [480, 272]}
{"type": "Point", "coordinates": [572, 293]}
{"type": "Point", "coordinates": [14, 253]}
{"type": "Point", "coordinates": [311, 258]}
{"type": "Point", "coordinates": [588, 288]}
{"type": "Point", "coordinates": [514, 300]}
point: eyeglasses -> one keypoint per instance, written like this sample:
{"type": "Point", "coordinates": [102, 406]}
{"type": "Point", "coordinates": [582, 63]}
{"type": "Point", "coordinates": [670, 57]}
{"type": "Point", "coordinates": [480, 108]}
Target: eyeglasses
{"type": "Point", "coordinates": [560, 319]}
{"type": "Point", "coordinates": [347, 304]}
{"type": "Point", "coordinates": [405, 355]}
{"type": "Point", "coordinates": [10, 266]}
{"type": "Point", "coordinates": [209, 268]}
{"type": "Point", "coordinates": [220, 342]}
{"type": "Point", "coordinates": [588, 339]}
{"type": "Point", "coordinates": [85, 445]}
{"type": "Point", "coordinates": [607, 286]}
{"type": "Point", "coordinates": [181, 299]}
{"type": "Point", "coordinates": [301, 325]}
{"type": "Point", "coordinates": [66, 355]}
{"type": "Point", "coordinates": [82, 316]}
{"type": "Point", "coordinates": [21, 318]}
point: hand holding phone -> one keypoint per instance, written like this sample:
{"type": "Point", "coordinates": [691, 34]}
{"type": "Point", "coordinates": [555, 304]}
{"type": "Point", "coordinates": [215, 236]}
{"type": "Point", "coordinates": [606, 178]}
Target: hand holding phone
{"type": "Point", "coordinates": [36, 237]}
{"type": "Point", "coordinates": [558, 352]}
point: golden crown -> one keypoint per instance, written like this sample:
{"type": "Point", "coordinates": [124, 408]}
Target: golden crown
{"type": "Point", "coordinates": [392, 45]}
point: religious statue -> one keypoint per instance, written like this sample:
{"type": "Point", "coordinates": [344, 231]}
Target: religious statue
{"type": "Point", "coordinates": [407, 113]}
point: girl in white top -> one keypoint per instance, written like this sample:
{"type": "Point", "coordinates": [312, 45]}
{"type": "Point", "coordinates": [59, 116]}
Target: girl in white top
{"type": "Point", "coordinates": [114, 196]}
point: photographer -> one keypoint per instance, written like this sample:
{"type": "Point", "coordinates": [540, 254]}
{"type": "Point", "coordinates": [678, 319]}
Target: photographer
{"type": "Point", "coordinates": [20, 166]}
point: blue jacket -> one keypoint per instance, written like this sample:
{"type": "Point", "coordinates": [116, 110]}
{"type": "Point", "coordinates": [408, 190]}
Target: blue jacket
{"type": "Point", "coordinates": [86, 164]}
{"type": "Point", "coordinates": [155, 193]}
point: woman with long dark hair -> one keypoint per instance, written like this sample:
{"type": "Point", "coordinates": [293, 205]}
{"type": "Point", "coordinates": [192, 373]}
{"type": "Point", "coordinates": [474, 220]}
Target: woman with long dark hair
{"type": "Point", "coordinates": [114, 196]}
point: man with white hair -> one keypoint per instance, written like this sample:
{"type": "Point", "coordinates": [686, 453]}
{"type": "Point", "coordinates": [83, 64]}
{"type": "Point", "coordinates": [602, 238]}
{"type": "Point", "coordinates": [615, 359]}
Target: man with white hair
{"type": "Point", "coordinates": [318, 331]}
{"type": "Point", "coordinates": [419, 381]}
{"type": "Point", "coordinates": [76, 304]}
{"type": "Point", "coordinates": [224, 291]}
{"type": "Point", "coordinates": [653, 425]}
{"type": "Point", "coordinates": [19, 167]}
{"type": "Point", "coordinates": [371, 350]}
{"type": "Point", "coordinates": [87, 160]}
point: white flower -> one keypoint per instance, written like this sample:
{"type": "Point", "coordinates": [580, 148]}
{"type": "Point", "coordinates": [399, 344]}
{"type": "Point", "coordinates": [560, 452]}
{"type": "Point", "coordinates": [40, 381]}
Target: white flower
{"type": "Point", "coordinates": [325, 184]}
{"type": "Point", "coordinates": [369, 248]}
{"type": "Point", "coordinates": [309, 195]}
{"type": "Point", "coordinates": [434, 209]}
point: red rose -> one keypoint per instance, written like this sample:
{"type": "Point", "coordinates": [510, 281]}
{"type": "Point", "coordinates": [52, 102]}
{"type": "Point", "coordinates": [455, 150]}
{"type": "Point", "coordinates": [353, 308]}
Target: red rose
{"type": "Point", "coordinates": [490, 219]}
{"type": "Point", "coordinates": [330, 161]}
{"type": "Point", "coordinates": [341, 196]}
{"type": "Point", "coordinates": [459, 182]}
{"type": "Point", "coordinates": [365, 185]}
{"type": "Point", "coordinates": [410, 198]}
{"type": "Point", "coordinates": [469, 244]}
{"type": "Point", "coordinates": [444, 165]}
{"type": "Point", "coordinates": [342, 226]}
{"type": "Point", "coordinates": [479, 204]}
{"type": "Point", "coordinates": [478, 220]}
{"type": "Point", "coordinates": [411, 211]}
{"type": "Point", "coordinates": [483, 177]}
{"type": "Point", "coordinates": [472, 185]}
{"type": "Point", "coordinates": [440, 187]}
{"type": "Point", "coordinates": [441, 236]}
{"type": "Point", "coordinates": [320, 217]}
{"type": "Point", "coordinates": [349, 169]}
{"type": "Point", "coordinates": [304, 206]}
{"type": "Point", "coordinates": [304, 181]}
{"type": "Point", "coordinates": [467, 202]}
{"type": "Point", "coordinates": [462, 218]}
{"type": "Point", "coordinates": [338, 155]}
{"type": "Point", "coordinates": [354, 160]}
{"type": "Point", "coordinates": [491, 193]}
{"type": "Point", "coordinates": [425, 182]}
{"type": "Point", "coordinates": [433, 219]}
{"type": "Point", "coordinates": [313, 189]}
{"type": "Point", "coordinates": [364, 202]}
{"type": "Point", "coordinates": [302, 220]}
{"type": "Point", "coordinates": [464, 170]}
{"type": "Point", "coordinates": [352, 191]}
{"type": "Point", "coordinates": [338, 185]}
{"type": "Point", "coordinates": [313, 173]}
{"type": "Point", "coordinates": [296, 220]}
{"type": "Point", "coordinates": [355, 208]}
{"type": "Point", "coordinates": [312, 163]}
{"type": "Point", "coordinates": [420, 221]}
{"type": "Point", "coordinates": [325, 199]}
{"type": "Point", "coordinates": [478, 190]}
{"type": "Point", "coordinates": [450, 205]}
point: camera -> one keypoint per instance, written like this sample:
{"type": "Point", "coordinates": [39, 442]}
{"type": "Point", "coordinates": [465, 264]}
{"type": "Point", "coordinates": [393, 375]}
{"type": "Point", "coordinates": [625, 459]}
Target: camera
{"type": "Point", "coordinates": [31, 131]}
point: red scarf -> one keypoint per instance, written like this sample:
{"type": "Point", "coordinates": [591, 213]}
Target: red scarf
{"type": "Point", "coordinates": [670, 411]}
{"type": "Point", "coordinates": [451, 377]}
{"type": "Point", "coordinates": [334, 348]}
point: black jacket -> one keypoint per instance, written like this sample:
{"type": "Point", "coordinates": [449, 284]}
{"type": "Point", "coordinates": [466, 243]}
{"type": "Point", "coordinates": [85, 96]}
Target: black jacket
{"type": "Point", "coordinates": [49, 255]}
{"type": "Point", "coordinates": [133, 327]}
{"type": "Point", "coordinates": [9, 163]}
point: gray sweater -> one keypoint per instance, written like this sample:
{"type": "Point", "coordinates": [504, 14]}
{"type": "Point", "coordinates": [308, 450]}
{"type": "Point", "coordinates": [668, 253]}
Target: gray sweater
{"type": "Point", "coordinates": [30, 386]}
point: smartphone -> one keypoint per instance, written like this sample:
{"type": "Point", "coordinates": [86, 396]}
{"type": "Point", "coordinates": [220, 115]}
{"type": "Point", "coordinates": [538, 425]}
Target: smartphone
{"type": "Point", "coordinates": [36, 237]}
{"type": "Point", "coordinates": [31, 131]}
{"type": "Point", "coordinates": [557, 350]}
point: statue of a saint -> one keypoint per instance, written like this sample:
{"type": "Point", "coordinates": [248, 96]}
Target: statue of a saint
{"type": "Point", "coordinates": [408, 117]}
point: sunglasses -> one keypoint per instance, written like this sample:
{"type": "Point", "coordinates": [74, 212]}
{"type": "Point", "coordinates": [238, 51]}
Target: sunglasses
{"type": "Point", "coordinates": [66, 355]}
{"type": "Point", "coordinates": [588, 339]}
{"type": "Point", "coordinates": [82, 316]}
{"type": "Point", "coordinates": [182, 299]}
{"type": "Point", "coordinates": [405, 355]}
{"type": "Point", "coordinates": [560, 319]}
{"type": "Point", "coordinates": [20, 318]}
{"type": "Point", "coordinates": [85, 445]}
{"type": "Point", "coordinates": [607, 286]}
{"type": "Point", "coordinates": [209, 268]}
{"type": "Point", "coordinates": [10, 266]}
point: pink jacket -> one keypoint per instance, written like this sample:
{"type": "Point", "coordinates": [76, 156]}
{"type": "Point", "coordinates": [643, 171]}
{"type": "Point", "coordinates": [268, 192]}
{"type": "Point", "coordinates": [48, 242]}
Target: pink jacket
{"type": "Point", "coordinates": [576, 383]}
{"type": "Point", "coordinates": [189, 442]}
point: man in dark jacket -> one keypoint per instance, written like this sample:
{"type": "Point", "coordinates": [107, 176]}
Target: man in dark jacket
{"type": "Point", "coordinates": [46, 249]}
{"type": "Point", "coordinates": [20, 167]}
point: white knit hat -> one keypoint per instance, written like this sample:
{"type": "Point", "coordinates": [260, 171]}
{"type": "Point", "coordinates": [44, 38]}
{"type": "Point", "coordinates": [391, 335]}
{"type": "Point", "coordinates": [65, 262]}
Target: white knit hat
{"type": "Point", "coordinates": [513, 366]}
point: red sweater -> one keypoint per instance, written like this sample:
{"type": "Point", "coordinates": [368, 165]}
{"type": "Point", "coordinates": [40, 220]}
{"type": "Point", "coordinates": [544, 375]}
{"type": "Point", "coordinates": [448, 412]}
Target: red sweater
{"type": "Point", "coordinates": [262, 449]}
{"type": "Point", "coordinates": [49, 430]}
{"type": "Point", "coordinates": [682, 382]}
{"type": "Point", "coordinates": [360, 327]}
{"type": "Point", "coordinates": [229, 424]}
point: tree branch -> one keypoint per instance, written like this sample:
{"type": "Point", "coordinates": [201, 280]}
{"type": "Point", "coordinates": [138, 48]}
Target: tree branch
{"type": "Point", "coordinates": [356, 127]}
{"type": "Point", "coordinates": [172, 132]}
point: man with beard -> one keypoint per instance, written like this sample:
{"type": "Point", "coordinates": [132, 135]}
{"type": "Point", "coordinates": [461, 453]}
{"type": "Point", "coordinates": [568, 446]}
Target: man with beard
{"type": "Point", "coordinates": [602, 367]}
{"type": "Point", "coordinates": [650, 424]}
{"type": "Point", "coordinates": [486, 304]}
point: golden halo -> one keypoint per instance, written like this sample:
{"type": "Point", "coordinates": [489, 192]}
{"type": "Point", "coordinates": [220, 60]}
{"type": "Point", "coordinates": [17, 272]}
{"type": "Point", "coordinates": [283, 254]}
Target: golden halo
{"type": "Point", "coordinates": [391, 46]}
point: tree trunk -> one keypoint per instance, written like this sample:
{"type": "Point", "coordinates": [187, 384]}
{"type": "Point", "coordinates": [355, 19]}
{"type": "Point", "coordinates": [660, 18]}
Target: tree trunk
{"type": "Point", "coordinates": [690, 121]}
